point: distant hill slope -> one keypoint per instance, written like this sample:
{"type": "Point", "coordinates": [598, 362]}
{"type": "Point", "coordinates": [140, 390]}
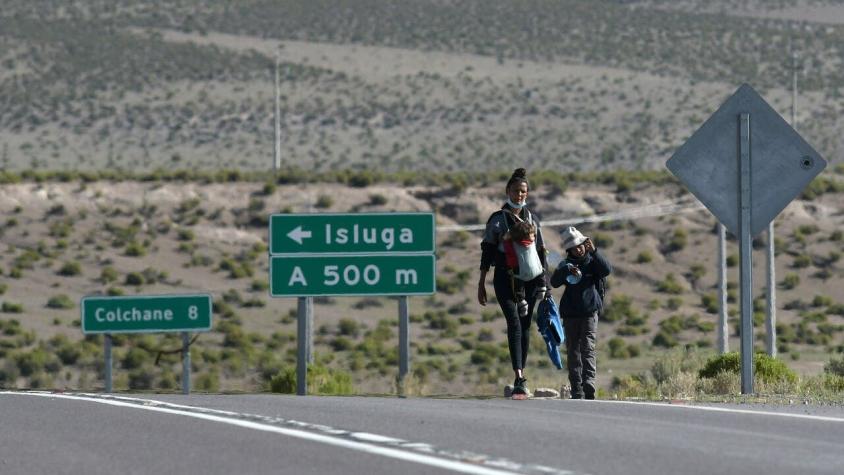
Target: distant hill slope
{"type": "Point", "coordinates": [65, 240]}
{"type": "Point", "coordinates": [395, 85]}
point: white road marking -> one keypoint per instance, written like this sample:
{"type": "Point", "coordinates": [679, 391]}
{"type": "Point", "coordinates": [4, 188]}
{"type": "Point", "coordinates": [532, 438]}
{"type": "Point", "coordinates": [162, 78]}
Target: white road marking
{"type": "Point", "coordinates": [476, 464]}
{"type": "Point", "coordinates": [727, 409]}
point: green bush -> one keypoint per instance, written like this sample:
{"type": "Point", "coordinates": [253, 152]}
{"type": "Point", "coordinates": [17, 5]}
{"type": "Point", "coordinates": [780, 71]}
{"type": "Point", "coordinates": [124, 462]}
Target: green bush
{"type": "Point", "coordinates": [620, 307]}
{"type": "Point", "coordinates": [10, 307]}
{"type": "Point", "coordinates": [766, 368]}
{"type": "Point", "coordinates": [341, 343]}
{"type": "Point", "coordinates": [802, 261]}
{"type": "Point", "coordinates": [321, 380]}
{"type": "Point", "coordinates": [36, 361]}
{"type": "Point", "coordinates": [618, 348]}
{"type": "Point", "coordinates": [678, 240]}
{"type": "Point", "coordinates": [108, 274]}
{"type": "Point", "coordinates": [670, 285]}
{"type": "Point", "coordinates": [663, 339]}
{"type": "Point", "coordinates": [60, 301]}
{"type": "Point", "coordinates": [208, 381]}
{"type": "Point", "coordinates": [135, 249]}
{"type": "Point", "coordinates": [644, 257]}
{"type": "Point", "coordinates": [134, 279]}
{"type": "Point", "coordinates": [324, 201]}
{"type": "Point", "coordinates": [348, 327]}
{"type": "Point", "coordinates": [835, 366]}
{"type": "Point", "coordinates": [134, 358]}
{"type": "Point", "coordinates": [185, 234]}
{"type": "Point", "coordinates": [709, 303]}
{"type": "Point", "coordinates": [602, 240]}
{"type": "Point", "coordinates": [790, 281]}
{"type": "Point", "coordinates": [141, 379]}
{"type": "Point", "coordinates": [69, 269]}
{"type": "Point", "coordinates": [377, 199]}
{"type": "Point", "coordinates": [259, 285]}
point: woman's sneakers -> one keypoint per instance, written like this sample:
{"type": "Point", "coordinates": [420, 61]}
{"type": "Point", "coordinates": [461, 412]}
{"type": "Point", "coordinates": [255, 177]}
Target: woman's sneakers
{"type": "Point", "coordinates": [520, 386]}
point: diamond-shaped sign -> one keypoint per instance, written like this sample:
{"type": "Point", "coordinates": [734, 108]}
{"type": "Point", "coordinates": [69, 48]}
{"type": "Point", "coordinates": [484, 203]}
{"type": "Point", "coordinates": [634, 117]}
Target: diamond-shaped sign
{"type": "Point", "coordinates": [782, 163]}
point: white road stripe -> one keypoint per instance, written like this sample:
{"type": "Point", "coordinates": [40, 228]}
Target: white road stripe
{"type": "Point", "coordinates": [479, 467]}
{"type": "Point", "coordinates": [727, 409]}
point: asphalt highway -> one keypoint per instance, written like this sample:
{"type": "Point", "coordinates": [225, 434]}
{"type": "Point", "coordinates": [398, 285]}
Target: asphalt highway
{"type": "Point", "coordinates": [256, 434]}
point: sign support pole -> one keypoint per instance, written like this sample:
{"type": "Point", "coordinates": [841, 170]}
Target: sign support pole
{"type": "Point", "coordinates": [745, 256]}
{"type": "Point", "coordinates": [404, 339]}
{"type": "Point", "coordinates": [108, 362]}
{"type": "Point", "coordinates": [185, 363]}
{"type": "Point", "coordinates": [723, 321]}
{"type": "Point", "coordinates": [309, 319]}
{"type": "Point", "coordinates": [302, 348]}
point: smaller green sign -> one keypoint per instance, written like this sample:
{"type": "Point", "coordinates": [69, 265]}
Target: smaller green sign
{"type": "Point", "coordinates": [298, 276]}
{"type": "Point", "coordinates": [146, 314]}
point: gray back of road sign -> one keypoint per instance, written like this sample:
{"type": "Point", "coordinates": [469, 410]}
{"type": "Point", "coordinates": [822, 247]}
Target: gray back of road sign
{"type": "Point", "coordinates": [782, 163]}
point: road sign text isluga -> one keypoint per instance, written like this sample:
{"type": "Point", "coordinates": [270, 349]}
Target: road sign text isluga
{"type": "Point", "coordinates": [352, 254]}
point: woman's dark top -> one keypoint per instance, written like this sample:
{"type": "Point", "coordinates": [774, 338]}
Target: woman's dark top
{"type": "Point", "coordinates": [582, 299]}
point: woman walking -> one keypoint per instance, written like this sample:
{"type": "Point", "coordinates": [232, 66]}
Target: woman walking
{"type": "Point", "coordinates": [517, 286]}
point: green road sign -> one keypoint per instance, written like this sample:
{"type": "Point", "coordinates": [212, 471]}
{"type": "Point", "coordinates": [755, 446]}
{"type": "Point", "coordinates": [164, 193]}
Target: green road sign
{"type": "Point", "coordinates": [147, 313]}
{"type": "Point", "coordinates": [322, 233]}
{"type": "Point", "coordinates": [375, 274]}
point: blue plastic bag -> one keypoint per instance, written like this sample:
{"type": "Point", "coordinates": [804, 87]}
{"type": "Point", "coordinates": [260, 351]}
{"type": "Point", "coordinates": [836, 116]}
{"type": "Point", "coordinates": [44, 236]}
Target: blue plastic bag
{"type": "Point", "coordinates": [551, 328]}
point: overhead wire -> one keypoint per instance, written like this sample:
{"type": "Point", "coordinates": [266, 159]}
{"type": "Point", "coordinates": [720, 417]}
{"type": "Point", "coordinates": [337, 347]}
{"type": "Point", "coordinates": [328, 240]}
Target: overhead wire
{"type": "Point", "coordinates": [647, 211]}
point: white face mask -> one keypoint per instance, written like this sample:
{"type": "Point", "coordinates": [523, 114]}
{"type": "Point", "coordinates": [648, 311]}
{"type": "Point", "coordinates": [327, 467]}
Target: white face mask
{"type": "Point", "coordinates": [516, 205]}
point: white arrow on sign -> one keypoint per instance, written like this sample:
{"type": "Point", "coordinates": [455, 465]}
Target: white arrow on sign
{"type": "Point", "coordinates": [298, 234]}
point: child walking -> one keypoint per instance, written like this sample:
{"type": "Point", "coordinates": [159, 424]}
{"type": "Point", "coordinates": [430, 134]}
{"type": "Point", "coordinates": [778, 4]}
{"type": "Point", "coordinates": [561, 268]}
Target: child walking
{"type": "Point", "coordinates": [581, 272]}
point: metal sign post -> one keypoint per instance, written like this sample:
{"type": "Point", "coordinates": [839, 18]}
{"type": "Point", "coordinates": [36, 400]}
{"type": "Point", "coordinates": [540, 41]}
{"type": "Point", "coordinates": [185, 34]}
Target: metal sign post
{"type": "Point", "coordinates": [108, 362]}
{"type": "Point", "coordinates": [185, 363]}
{"type": "Point", "coordinates": [745, 257]}
{"type": "Point", "coordinates": [746, 191]}
{"type": "Point", "coordinates": [302, 341]}
{"type": "Point", "coordinates": [404, 339]}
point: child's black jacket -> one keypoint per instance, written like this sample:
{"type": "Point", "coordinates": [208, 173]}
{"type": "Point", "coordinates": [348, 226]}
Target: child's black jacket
{"type": "Point", "coordinates": [582, 299]}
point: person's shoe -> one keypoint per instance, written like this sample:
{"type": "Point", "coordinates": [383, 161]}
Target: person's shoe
{"type": "Point", "coordinates": [589, 391]}
{"type": "Point", "coordinates": [520, 386]}
{"type": "Point", "coordinates": [589, 396]}
{"type": "Point", "coordinates": [576, 396]}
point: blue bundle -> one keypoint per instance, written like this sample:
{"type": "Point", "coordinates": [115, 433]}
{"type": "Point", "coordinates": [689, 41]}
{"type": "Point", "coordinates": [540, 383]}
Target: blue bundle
{"type": "Point", "coordinates": [551, 328]}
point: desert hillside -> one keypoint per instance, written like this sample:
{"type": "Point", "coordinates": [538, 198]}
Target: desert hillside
{"type": "Point", "coordinates": [66, 240]}
{"type": "Point", "coordinates": [394, 85]}
{"type": "Point", "coordinates": [137, 144]}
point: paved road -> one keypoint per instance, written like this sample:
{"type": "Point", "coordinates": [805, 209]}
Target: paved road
{"type": "Point", "coordinates": [287, 434]}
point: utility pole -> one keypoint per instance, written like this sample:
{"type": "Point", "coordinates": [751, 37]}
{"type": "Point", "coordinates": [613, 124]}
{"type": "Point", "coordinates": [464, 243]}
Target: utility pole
{"type": "Point", "coordinates": [277, 143]}
{"type": "Point", "coordinates": [771, 320]}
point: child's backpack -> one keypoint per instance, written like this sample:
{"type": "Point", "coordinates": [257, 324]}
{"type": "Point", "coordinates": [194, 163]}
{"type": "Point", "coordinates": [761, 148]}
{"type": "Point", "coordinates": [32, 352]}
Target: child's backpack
{"type": "Point", "coordinates": [601, 287]}
{"type": "Point", "coordinates": [530, 266]}
{"type": "Point", "coordinates": [527, 256]}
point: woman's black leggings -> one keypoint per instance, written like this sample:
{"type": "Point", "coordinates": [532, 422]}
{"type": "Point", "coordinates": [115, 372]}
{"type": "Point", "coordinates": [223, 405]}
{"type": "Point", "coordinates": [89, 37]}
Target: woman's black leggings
{"type": "Point", "coordinates": [518, 336]}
